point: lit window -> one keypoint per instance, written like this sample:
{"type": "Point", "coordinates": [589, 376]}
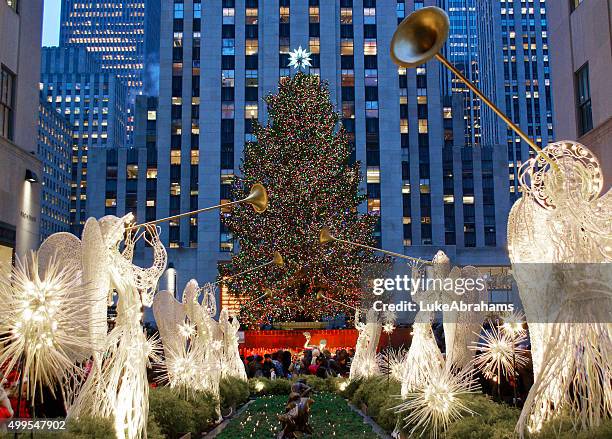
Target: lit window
{"type": "Point", "coordinates": [314, 45]}
{"type": "Point", "coordinates": [369, 46]}
{"type": "Point", "coordinates": [132, 171]}
{"type": "Point", "coordinates": [468, 199]}
{"type": "Point", "coordinates": [151, 172]}
{"type": "Point", "coordinates": [284, 14]}
{"type": "Point", "coordinates": [152, 115]}
{"type": "Point", "coordinates": [346, 15]}
{"type": "Point", "coordinates": [423, 128]}
{"type": "Point", "coordinates": [150, 203]}
{"type": "Point", "coordinates": [348, 78]}
{"type": "Point", "coordinates": [251, 16]}
{"type": "Point", "coordinates": [313, 13]}
{"type": "Point", "coordinates": [228, 15]}
{"type": "Point", "coordinates": [111, 202]}
{"type": "Point", "coordinates": [175, 157]}
{"type": "Point", "coordinates": [369, 15]}
{"type": "Point", "coordinates": [374, 205]}
{"type": "Point", "coordinates": [195, 157]}
{"type": "Point", "coordinates": [250, 111]}
{"type": "Point", "coordinates": [346, 47]}
{"type": "Point", "coordinates": [179, 9]}
{"type": "Point", "coordinates": [373, 174]}
{"type": "Point", "coordinates": [251, 46]}
{"type": "Point", "coordinates": [175, 188]}
{"type": "Point", "coordinates": [449, 199]}
{"type": "Point", "coordinates": [227, 78]}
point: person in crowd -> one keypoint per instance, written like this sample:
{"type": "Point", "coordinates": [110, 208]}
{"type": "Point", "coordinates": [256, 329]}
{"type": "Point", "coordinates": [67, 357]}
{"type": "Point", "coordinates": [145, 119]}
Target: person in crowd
{"type": "Point", "coordinates": [6, 410]}
{"type": "Point", "coordinates": [268, 366]}
{"type": "Point", "coordinates": [322, 367]}
{"type": "Point", "coordinates": [286, 362]}
{"type": "Point", "coordinates": [278, 366]}
{"type": "Point", "coordinates": [255, 368]}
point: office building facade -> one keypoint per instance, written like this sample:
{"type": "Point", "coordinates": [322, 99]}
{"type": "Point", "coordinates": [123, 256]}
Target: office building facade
{"type": "Point", "coordinates": [122, 35]}
{"type": "Point", "coordinates": [515, 73]}
{"type": "Point", "coordinates": [581, 60]}
{"type": "Point", "coordinates": [461, 50]}
{"type": "Point", "coordinates": [20, 169]}
{"type": "Point", "coordinates": [94, 101]}
{"type": "Point", "coordinates": [218, 60]}
{"type": "Point", "coordinates": [55, 153]}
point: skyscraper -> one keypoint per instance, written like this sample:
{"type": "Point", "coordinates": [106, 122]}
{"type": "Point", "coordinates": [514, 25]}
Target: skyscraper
{"type": "Point", "coordinates": [113, 32]}
{"type": "Point", "coordinates": [462, 50]}
{"type": "Point", "coordinates": [20, 169]}
{"type": "Point", "coordinates": [94, 101]}
{"type": "Point", "coordinates": [218, 60]}
{"type": "Point", "coordinates": [515, 74]}
{"type": "Point", "coordinates": [581, 90]}
{"type": "Point", "coordinates": [55, 153]}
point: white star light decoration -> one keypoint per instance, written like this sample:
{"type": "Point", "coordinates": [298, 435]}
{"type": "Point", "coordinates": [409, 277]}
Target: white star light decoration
{"type": "Point", "coordinates": [299, 58]}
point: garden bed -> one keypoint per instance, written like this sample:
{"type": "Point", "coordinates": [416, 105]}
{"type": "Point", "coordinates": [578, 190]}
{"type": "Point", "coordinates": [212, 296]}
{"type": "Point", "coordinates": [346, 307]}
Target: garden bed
{"type": "Point", "coordinates": [330, 417]}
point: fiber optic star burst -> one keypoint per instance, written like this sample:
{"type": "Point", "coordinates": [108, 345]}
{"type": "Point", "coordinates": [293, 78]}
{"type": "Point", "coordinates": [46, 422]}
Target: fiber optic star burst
{"type": "Point", "coordinates": [299, 58]}
{"type": "Point", "coordinates": [514, 324]}
{"type": "Point", "coordinates": [393, 362]}
{"type": "Point", "coordinates": [438, 401]}
{"type": "Point", "coordinates": [41, 321]}
{"type": "Point", "coordinates": [498, 353]}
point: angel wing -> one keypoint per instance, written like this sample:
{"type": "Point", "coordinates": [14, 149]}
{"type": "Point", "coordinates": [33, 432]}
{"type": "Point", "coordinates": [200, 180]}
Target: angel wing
{"type": "Point", "coordinates": [64, 247]}
{"type": "Point", "coordinates": [169, 314]}
{"type": "Point", "coordinates": [461, 328]}
{"type": "Point", "coordinates": [96, 266]}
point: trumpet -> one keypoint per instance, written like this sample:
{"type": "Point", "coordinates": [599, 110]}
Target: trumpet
{"type": "Point", "coordinates": [277, 259]}
{"type": "Point", "coordinates": [258, 198]}
{"type": "Point", "coordinates": [419, 38]}
{"type": "Point", "coordinates": [325, 236]}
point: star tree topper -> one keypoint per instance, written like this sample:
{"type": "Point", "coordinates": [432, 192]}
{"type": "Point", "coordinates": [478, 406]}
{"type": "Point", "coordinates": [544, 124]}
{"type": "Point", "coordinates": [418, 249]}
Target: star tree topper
{"type": "Point", "coordinates": [299, 58]}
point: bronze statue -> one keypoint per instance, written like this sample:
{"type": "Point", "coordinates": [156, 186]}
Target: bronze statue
{"type": "Point", "coordinates": [297, 411]}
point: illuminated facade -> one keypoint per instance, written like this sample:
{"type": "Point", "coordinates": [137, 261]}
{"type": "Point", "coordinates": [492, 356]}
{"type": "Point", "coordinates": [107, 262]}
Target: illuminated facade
{"type": "Point", "coordinates": [54, 151]}
{"type": "Point", "coordinates": [218, 61]}
{"type": "Point", "coordinates": [94, 101]}
{"type": "Point", "coordinates": [112, 31]}
{"type": "Point", "coordinates": [117, 33]}
{"type": "Point", "coordinates": [461, 49]}
{"type": "Point", "coordinates": [514, 55]}
{"type": "Point", "coordinates": [20, 169]}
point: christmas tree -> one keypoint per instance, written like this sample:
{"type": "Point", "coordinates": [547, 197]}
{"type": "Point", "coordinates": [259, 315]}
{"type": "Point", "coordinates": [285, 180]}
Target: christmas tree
{"type": "Point", "coordinates": [302, 157]}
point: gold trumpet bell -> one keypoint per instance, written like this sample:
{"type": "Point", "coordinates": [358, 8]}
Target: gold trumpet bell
{"type": "Point", "coordinates": [258, 198]}
{"type": "Point", "coordinates": [325, 236]}
{"type": "Point", "coordinates": [419, 37]}
{"type": "Point", "coordinates": [278, 259]}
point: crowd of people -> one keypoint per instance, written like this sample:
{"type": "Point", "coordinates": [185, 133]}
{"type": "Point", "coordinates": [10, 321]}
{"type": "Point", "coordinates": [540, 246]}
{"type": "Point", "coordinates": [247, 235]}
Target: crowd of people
{"type": "Point", "coordinates": [283, 364]}
{"type": "Point", "coordinates": [9, 398]}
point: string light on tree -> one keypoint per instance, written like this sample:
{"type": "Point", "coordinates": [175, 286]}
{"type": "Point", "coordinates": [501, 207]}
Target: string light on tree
{"type": "Point", "coordinates": [302, 158]}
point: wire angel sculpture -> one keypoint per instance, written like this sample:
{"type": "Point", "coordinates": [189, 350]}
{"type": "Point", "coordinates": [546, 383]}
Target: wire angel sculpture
{"type": "Point", "coordinates": [460, 327]}
{"type": "Point", "coordinates": [232, 364]}
{"type": "Point", "coordinates": [565, 223]}
{"type": "Point", "coordinates": [117, 386]}
{"type": "Point", "coordinates": [364, 364]}
{"type": "Point", "coordinates": [193, 355]}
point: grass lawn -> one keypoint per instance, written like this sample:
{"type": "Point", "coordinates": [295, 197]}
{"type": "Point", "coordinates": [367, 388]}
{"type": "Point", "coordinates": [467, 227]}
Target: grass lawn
{"type": "Point", "coordinates": [330, 416]}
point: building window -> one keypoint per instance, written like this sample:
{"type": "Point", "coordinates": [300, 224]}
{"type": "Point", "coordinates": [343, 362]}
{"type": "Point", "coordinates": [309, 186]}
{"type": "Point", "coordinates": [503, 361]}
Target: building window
{"type": "Point", "coordinates": [7, 98]}
{"type": "Point", "coordinates": [13, 4]}
{"type": "Point", "coordinates": [573, 4]}
{"type": "Point", "coordinates": [179, 9]}
{"type": "Point", "coordinates": [583, 98]}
